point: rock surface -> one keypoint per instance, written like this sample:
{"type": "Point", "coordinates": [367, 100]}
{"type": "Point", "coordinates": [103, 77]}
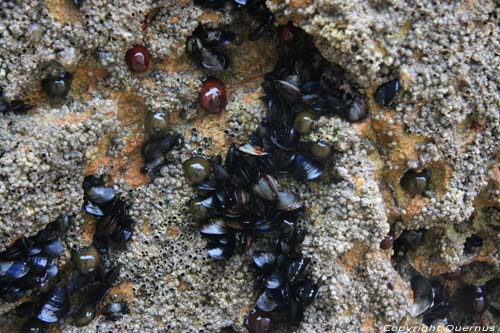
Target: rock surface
{"type": "Point", "coordinates": [446, 120]}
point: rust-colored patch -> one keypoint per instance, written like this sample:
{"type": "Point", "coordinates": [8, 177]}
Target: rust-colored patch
{"type": "Point", "coordinates": [353, 257]}
{"type": "Point", "coordinates": [127, 165]}
{"type": "Point", "coordinates": [88, 229]}
{"type": "Point", "coordinates": [367, 322]}
{"type": "Point", "coordinates": [124, 291]}
{"type": "Point", "coordinates": [183, 286]}
{"type": "Point", "coordinates": [358, 184]}
{"type": "Point", "coordinates": [414, 206]}
{"type": "Point", "coordinates": [441, 173]}
{"type": "Point", "coordinates": [145, 227]}
{"type": "Point", "coordinates": [85, 78]}
{"type": "Point", "coordinates": [62, 11]}
{"type": "Point", "coordinates": [173, 232]}
{"type": "Point", "coordinates": [210, 16]}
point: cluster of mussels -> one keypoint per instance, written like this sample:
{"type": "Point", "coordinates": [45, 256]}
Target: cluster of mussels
{"type": "Point", "coordinates": [30, 263]}
{"type": "Point", "coordinates": [240, 199]}
{"type": "Point", "coordinates": [113, 224]}
{"type": "Point", "coordinates": [77, 297]}
{"type": "Point", "coordinates": [444, 299]}
{"type": "Point", "coordinates": [262, 18]}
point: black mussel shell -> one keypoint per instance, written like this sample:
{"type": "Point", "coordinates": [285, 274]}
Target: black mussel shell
{"type": "Point", "coordinates": [34, 250]}
{"type": "Point", "coordinates": [243, 177]}
{"type": "Point", "coordinates": [78, 3]}
{"type": "Point", "coordinates": [37, 263]}
{"type": "Point", "coordinates": [92, 209]}
{"type": "Point", "coordinates": [284, 159]}
{"type": "Point", "coordinates": [159, 145]}
{"type": "Point", "coordinates": [261, 25]}
{"type": "Point", "coordinates": [281, 295]}
{"type": "Point", "coordinates": [266, 188]}
{"type": "Point", "coordinates": [107, 225]}
{"type": "Point", "coordinates": [335, 106]}
{"type": "Point", "coordinates": [122, 235]}
{"type": "Point", "coordinates": [273, 280]}
{"type": "Point", "coordinates": [208, 185]}
{"type": "Point", "coordinates": [19, 107]}
{"type": "Point", "coordinates": [219, 252]}
{"type": "Point", "coordinates": [241, 198]}
{"type": "Point", "coordinates": [305, 168]}
{"type": "Point", "coordinates": [252, 149]}
{"type": "Point", "coordinates": [92, 181]}
{"type": "Point", "coordinates": [232, 157]}
{"type": "Point", "coordinates": [220, 174]}
{"type": "Point", "coordinates": [266, 164]}
{"type": "Point", "coordinates": [473, 299]}
{"type": "Point", "coordinates": [386, 93]}
{"type": "Point", "coordinates": [423, 295]}
{"type": "Point", "coordinates": [264, 260]}
{"type": "Point", "coordinates": [34, 325]}
{"type": "Point", "coordinates": [54, 306]}
{"type": "Point", "coordinates": [57, 86]}
{"type": "Point", "coordinates": [13, 270]}
{"type": "Point", "coordinates": [295, 313]}
{"type": "Point", "coordinates": [100, 195]}
{"type": "Point", "coordinates": [212, 4]}
{"type": "Point", "coordinates": [26, 309]}
{"type": "Point", "coordinates": [153, 165]}
{"type": "Point", "coordinates": [472, 243]}
{"type": "Point", "coordinates": [214, 228]}
{"type": "Point", "coordinates": [13, 291]}
{"type": "Point", "coordinates": [286, 138]}
{"type": "Point", "coordinates": [287, 90]}
{"type": "Point", "coordinates": [276, 113]}
{"type": "Point", "coordinates": [356, 110]}
{"type": "Point", "coordinates": [115, 310]}
{"type": "Point", "coordinates": [217, 38]}
{"type": "Point", "coordinates": [262, 225]}
{"type": "Point", "coordinates": [53, 249]}
{"type": "Point", "coordinates": [4, 106]}
{"type": "Point", "coordinates": [410, 239]}
{"type": "Point", "coordinates": [213, 60]}
{"type": "Point", "coordinates": [415, 182]}
{"type": "Point", "coordinates": [297, 269]}
{"type": "Point", "coordinates": [258, 322]}
{"type": "Point", "coordinates": [289, 201]}
{"type": "Point", "coordinates": [51, 271]}
{"type": "Point", "coordinates": [266, 302]}
{"type": "Point", "coordinates": [305, 291]}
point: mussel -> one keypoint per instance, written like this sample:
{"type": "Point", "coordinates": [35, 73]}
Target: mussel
{"type": "Point", "coordinates": [154, 151]}
{"type": "Point", "coordinates": [57, 86]}
{"type": "Point", "coordinates": [29, 263]}
{"type": "Point", "coordinates": [387, 92]}
{"type": "Point", "coordinates": [115, 310]}
{"type": "Point", "coordinates": [55, 305]}
{"type": "Point", "coordinates": [204, 47]}
{"type": "Point", "coordinates": [415, 182]}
